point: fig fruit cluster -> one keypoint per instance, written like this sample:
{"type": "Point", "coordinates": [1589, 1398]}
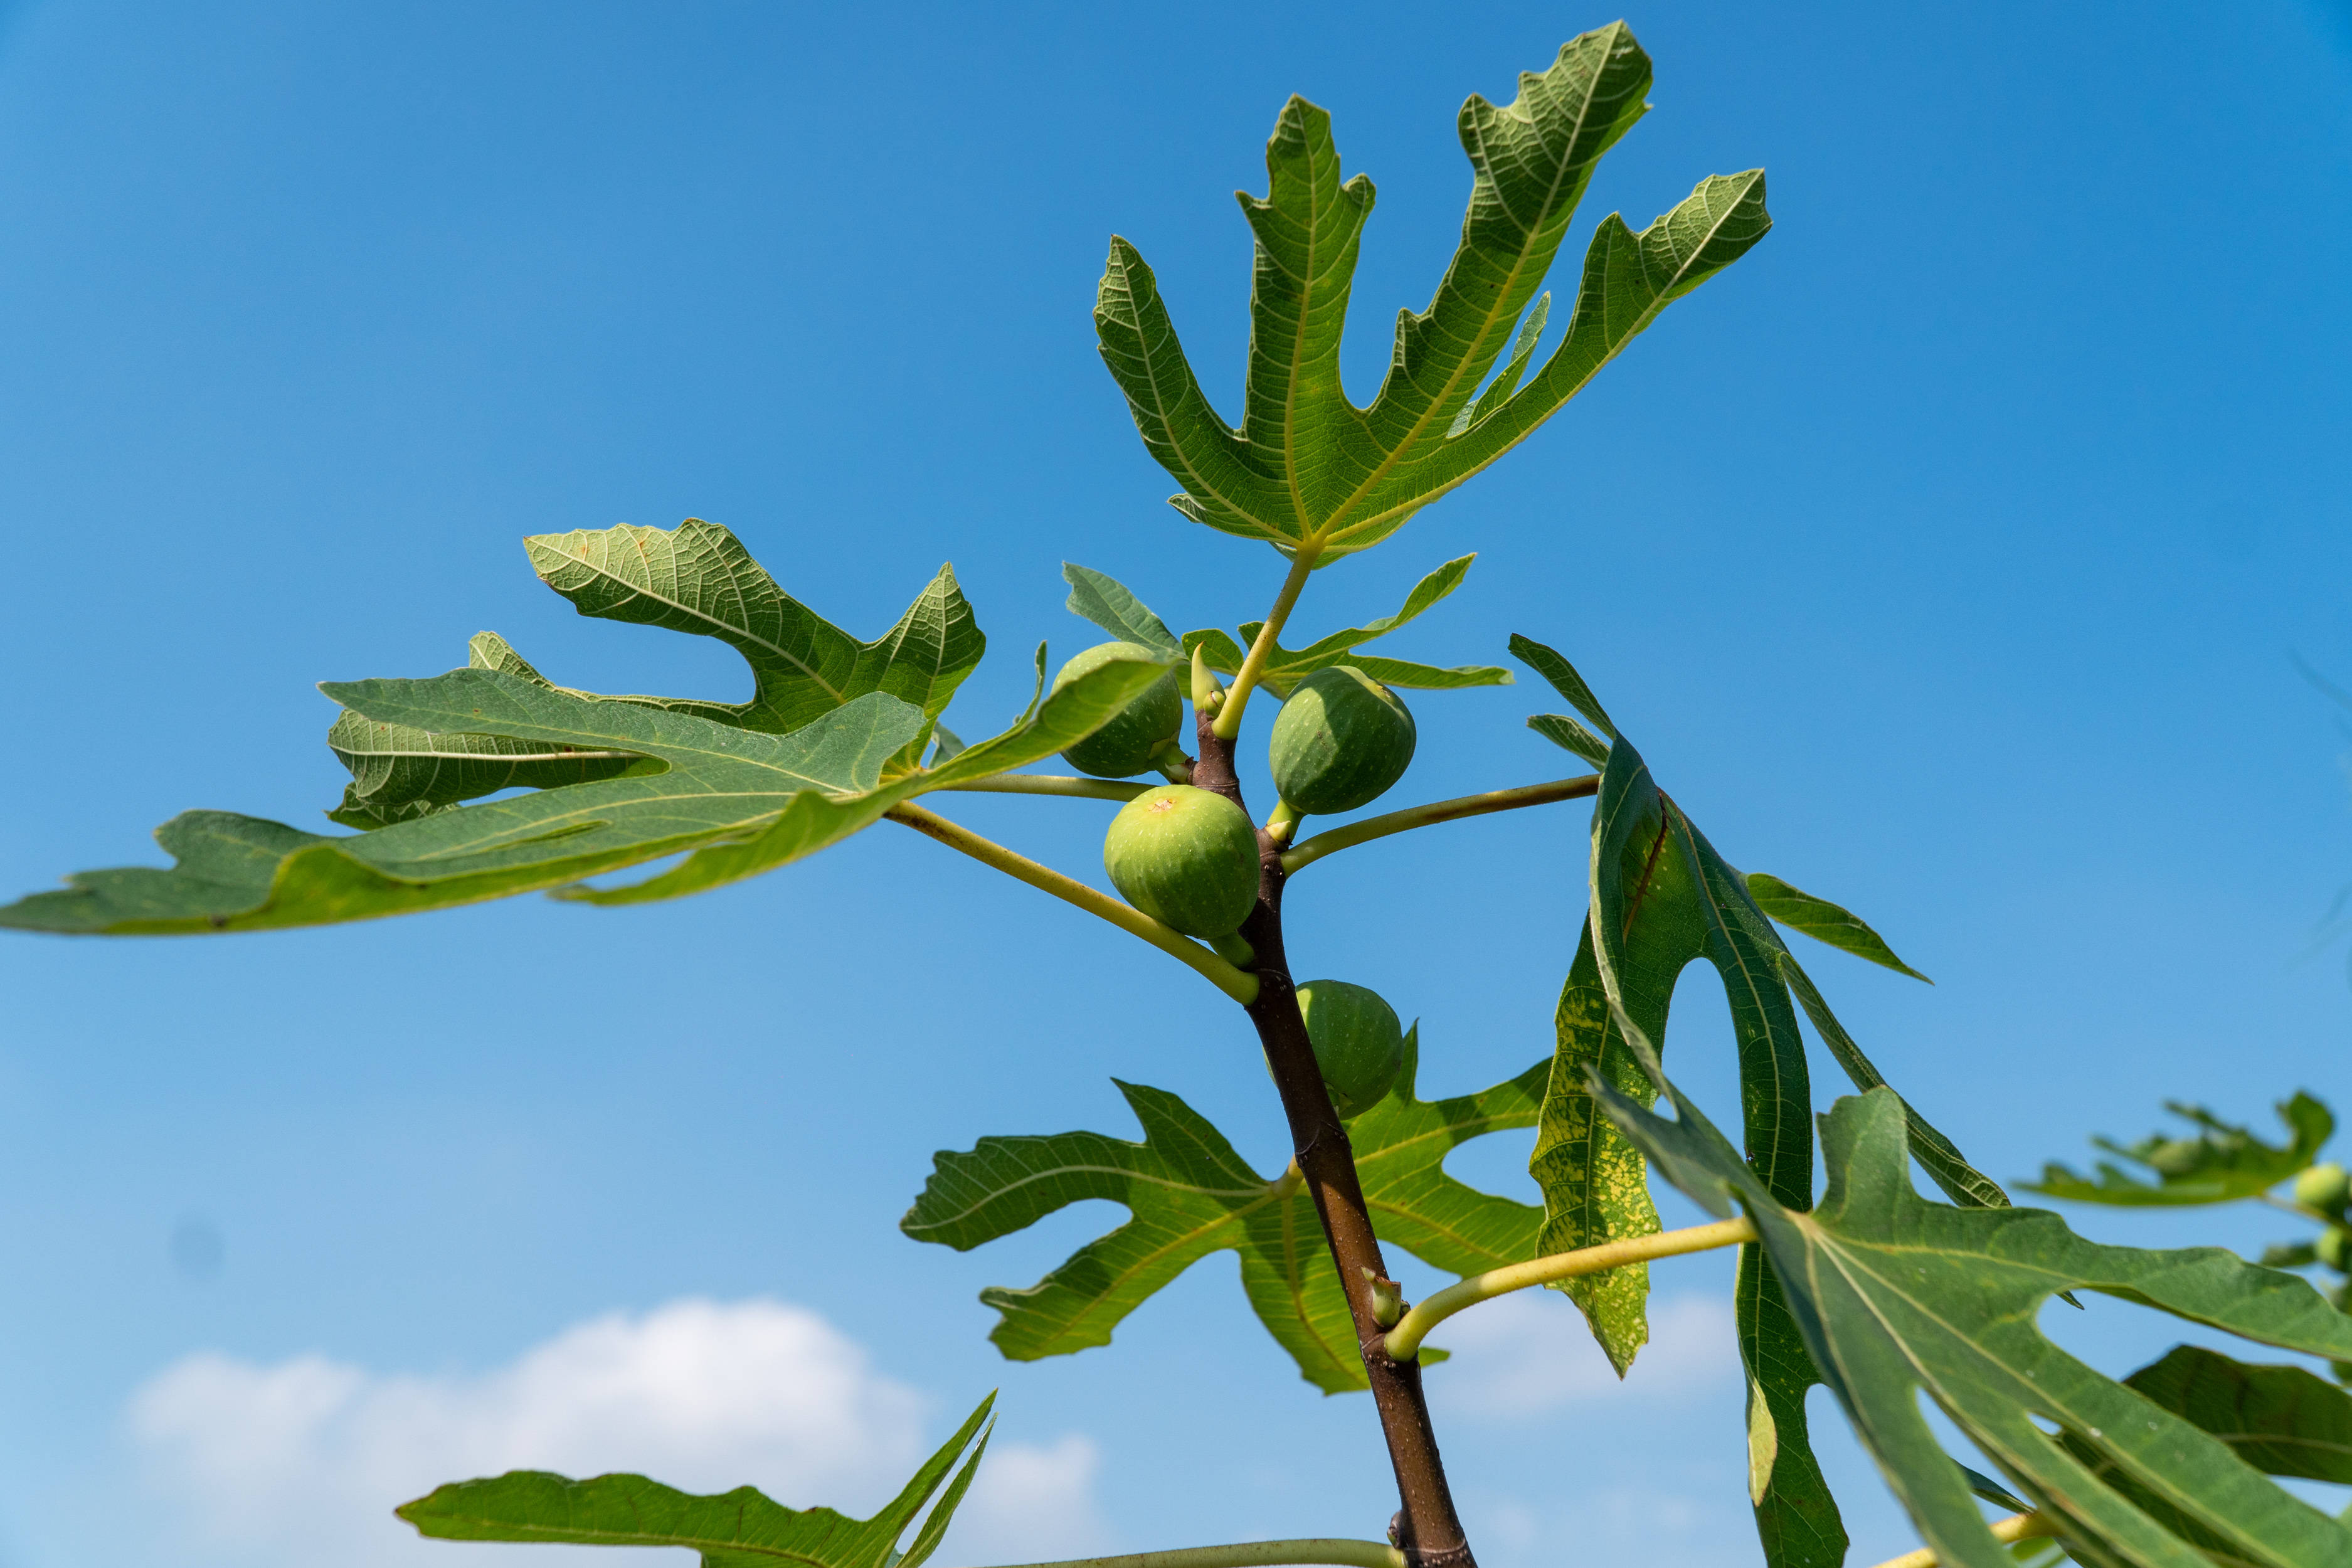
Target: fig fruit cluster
{"type": "Point", "coordinates": [1359, 1043]}
{"type": "Point", "coordinates": [1341, 741]}
{"type": "Point", "coordinates": [1131, 742]}
{"type": "Point", "coordinates": [1185, 856]}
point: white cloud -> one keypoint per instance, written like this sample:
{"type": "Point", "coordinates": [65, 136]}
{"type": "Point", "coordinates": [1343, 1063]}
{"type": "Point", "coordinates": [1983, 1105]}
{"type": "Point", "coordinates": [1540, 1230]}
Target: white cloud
{"type": "Point", "coordinates": [301, 1461]}
{"type": "Point", "coordinates": [1529, 1353]}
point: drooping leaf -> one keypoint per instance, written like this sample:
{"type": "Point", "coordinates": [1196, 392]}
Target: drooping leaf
{"type": "Point", "coordinates": [1307, 468]}
{"type": "Point", "coordinates": [759, 800]}
{"type": "Point", "coordinates": [698, 577]}
{"type": "Point", "coordinates": [1824, 921]}
{"type": "Point", "coordinates": [1188, 1195]}
{"type": "Point", "coordinates": [2221, 1164]}
{"type": "Point", "coordinates": [1896, 1296]}
{"type": "Point", "coordinates": [1109, 604]}
{"type": "Point", "coordinates": [741, 1529]}
{"type": "Point", "coordinates": [1662, 897]}
{"type": "Point", "coordinates": [1284, 667]}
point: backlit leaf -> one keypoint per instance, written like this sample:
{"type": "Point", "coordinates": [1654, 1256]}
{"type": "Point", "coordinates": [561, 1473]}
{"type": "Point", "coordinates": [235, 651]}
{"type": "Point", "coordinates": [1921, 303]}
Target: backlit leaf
{"type": "Point", "coordinates": [1824, 921]}
{"type": "Point", "coordinates": [1284, 667]}
{"type": "Point", "coordinates": [1109, 604]}
{"type": "Point", "coordinates": [758, 800]}
{"type": "Point", "coordinates": [1188, 1195]}
{"type": "Point", "coordinates": [698, 577]}
{"type": "Point", "coordinates": [1304, 466]}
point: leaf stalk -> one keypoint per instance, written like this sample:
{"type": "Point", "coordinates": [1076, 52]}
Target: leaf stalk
{"type": "Point", "coordinates": [1371, 827]}
{"type": "Point", "coordinates": [1404, 1340]}
{"type": "Point", "coordinates": [2015, 1528]}
{"type": "Point", "coordinates": [1243, 988]}
{"type": "Point", "coordinates": [1228, 723]}
{"type": "Point", "coordinates": [1051, 783]}
{"type": "Point", "coordinates": [1249, 1555]}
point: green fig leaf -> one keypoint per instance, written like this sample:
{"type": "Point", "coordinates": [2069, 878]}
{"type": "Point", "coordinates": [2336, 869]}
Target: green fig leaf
{"type": "Point", "coordinates": [1556, 670]}
{"type": "Point", "coordinates": [1109, 604]}
{"type": "Point", "coordinates": [1570, 736]}
{"type": "Point", "coordinates": [2221, 1164]}
{"type": "Point", "coordinates": [698, 577]}
{"type": "Point", "coordinates": [1286, 667]}
{"type": "Point", "coordinates": [1895, 1296]}
{"type": "Point", "coordinates": [2282, 1420]}
{"type": "Point", "coordinates": [1824, 921]}
{"type": "Point", "coordinates": [1305, 467]}
{"type": "Point", "coordinates": [741, 1529]}
{"type": "Point", "coordinates": [744, 800]}
{"type": "Point", "coordinates": [1188, 1195]}
{"type": "Point", "coordinates": [1663, 897]}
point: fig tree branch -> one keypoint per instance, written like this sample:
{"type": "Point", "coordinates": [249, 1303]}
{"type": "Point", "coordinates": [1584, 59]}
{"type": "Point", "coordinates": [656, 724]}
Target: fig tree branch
{"type": "Point", "coordinates": [1249, 1555]}
{"type": "Point", "coordinates": [1412, 816]}
{"type": "Point", "coordinates": [1228, 723]}
{"type": "Point", "coordinates": [1426, 1527]}
{"type": "Point", "coordinates": [1404, 1340]}
{"type": "Point", "coordinates": [1243, 988]}
{"type": "Point", "coordinates": [1051, 783]}
{"type": "Point", "coordinates": [2015, 1528]}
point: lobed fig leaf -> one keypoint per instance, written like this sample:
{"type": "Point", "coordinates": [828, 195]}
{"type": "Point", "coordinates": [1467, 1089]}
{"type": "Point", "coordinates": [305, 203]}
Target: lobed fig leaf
{"type": "Point", "coordinates": [741, 1529]}
{"type": "Point", "coordinates": [1190, 1195]}
{"type": "Point", "coordinates": [1895, 1297]}
{"type": "Point", "coordinates": [2220, 1163]}
{"type": "Point", "coordinates": [742, 800]}
{"type": "Point", "coordinates": [1186, 857]}
{"type": "Point", "coordinates": [1307, 468]}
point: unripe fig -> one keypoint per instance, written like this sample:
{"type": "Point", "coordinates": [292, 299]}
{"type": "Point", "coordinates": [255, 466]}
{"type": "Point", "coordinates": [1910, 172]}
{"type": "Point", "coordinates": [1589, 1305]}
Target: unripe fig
{"type": "Point", "coordinates": [1124, 746]}
{"type": "Point", "coordinates": [1186, 857]}
{"type": "Point", "coordinates": [2324, 1187]}
{"type": "Point", "coordinates": [1359, 1043]}
{"type": "Point", "coordinates": [2335, 1249]}
{"type": "Point", "coordinates": [1339, 741]}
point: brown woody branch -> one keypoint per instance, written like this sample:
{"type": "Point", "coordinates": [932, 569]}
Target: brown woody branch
{"type": "Point", "coordinates": [1426, 1526]}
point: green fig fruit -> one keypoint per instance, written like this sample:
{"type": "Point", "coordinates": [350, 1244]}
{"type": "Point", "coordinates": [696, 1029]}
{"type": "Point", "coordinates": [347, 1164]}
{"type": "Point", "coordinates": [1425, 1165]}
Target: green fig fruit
{"type": "Point", "coordinates": [1185, 856]}
{"type": "Point", "coordinates": [1359, 1043]}
{"type": "Point", "coordinates": [2335, 1248]}
{"type": "Point", "coordinates": [1341, 741]}
{"type": "Point", "coordinates": [2324, 1187]}
{"type": "Point", "coordinates": [1124, 746]}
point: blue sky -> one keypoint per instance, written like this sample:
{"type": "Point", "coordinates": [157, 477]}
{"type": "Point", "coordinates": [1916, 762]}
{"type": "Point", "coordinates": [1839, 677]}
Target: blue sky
{"type": "Point", "coordinates": [1947, 556]}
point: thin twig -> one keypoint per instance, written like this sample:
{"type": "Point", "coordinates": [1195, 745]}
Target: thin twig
{"type": "Point", "coordinates": [1371, 827]}
{"type": "Point", "coordinates": [1241, 987]}
{"type": "Point", "coordinates": [1249, 1555]}
{"type": "Point", "coordinates": [1228, 721]}
{"type": "Point", "coordinates": [1052, 784]}
{"type": "Point", "coordinates": [1404, 1340]}
{"type": "Point", "coordinates": [2016, 1527]}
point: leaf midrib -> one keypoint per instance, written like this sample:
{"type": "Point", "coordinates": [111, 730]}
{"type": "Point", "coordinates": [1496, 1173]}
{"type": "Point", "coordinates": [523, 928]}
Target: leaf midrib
{"type": "Point", "coordinates": [1411, 439]}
